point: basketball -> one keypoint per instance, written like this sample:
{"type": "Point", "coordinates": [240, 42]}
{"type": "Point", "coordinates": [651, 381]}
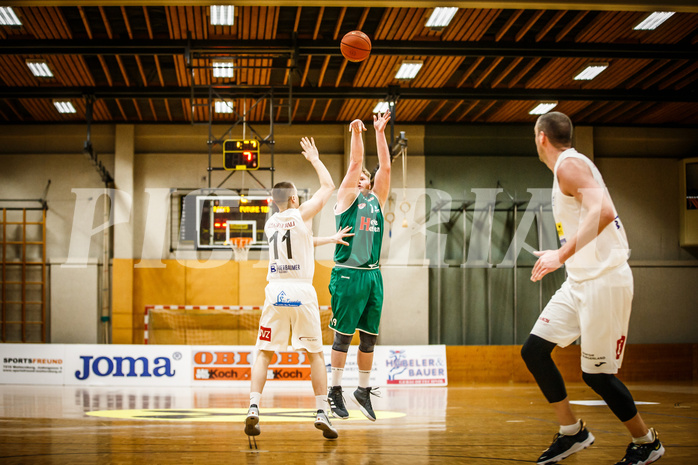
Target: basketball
{"type": "Point", "coordinates": [356, 46]}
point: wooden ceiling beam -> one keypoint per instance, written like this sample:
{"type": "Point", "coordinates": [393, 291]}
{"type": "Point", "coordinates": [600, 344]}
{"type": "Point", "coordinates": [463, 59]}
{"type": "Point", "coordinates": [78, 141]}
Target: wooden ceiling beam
{"type": "Point", "coordinates": [555, 19]}
{"type": "Point", "coordinates": [510, 22]}
{"type": "Point", "coordinates": [529, 24]}
{"type": "Point", "coordinates": [107, 26]}
{"type": "Point", "coordinates": [688, 6]}
{"type": "Point", "coordinates": [85, 22]}
{"type": "Point", "coordinates": [338, 26]}
{"type": "Point", "coordinates": [158, 68]}
{"type": "Point", "coordinates": [107, 74]}
{"type": "Point", "coordinates": [487, 71]}
{"type": "Point", "coordinates": [126, 23]}
{"type": "Point", "coordinates": [147, 23]}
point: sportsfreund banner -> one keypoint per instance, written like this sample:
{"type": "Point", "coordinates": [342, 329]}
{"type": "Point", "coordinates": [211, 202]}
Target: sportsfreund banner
{"type": "Point", "coordinates": [168, 365]}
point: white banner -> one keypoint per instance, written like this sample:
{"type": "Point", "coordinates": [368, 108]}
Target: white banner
{"type": "Point", "coordinates": [168, 365]}
{"type": "Point", "coordinates": [32, 363]}
{"type": "Point", "coordinates": [127, 365]}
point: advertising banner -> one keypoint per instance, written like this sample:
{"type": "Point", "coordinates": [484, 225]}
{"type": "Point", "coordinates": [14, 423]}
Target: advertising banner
{"type": "Point", "coordinates": [170, 365]}
{"type": "Point", "coordinates": [218, 365]}
{"type": "Point", "coordinates": [411, 365]}
{"type": "Point", "coordinates": [127, 365]}
{"type": "Point", "coordinates": [32, 363]}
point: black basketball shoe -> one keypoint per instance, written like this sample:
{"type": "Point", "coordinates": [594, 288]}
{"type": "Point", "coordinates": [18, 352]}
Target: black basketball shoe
{"type": "Point", "coordinates": [336, 400]}
{"type": "Point", "coordinates": [564, 446]}
{"type": "Point", "coordinates": [362, 398]}
{"type": "Point", "coordinates": [642, 454]}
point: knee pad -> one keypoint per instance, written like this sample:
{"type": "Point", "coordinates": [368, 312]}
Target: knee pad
{"type": "Point", "coordinates": [341, 342]}
{"type": "Point", "coordinates": [614, 392]}
{"type": "Point", "coordinates": [536, 353]}
{"type": "Point", "coordinates": [367, 342]}
{"type": "Point", "coordinates": [536, 350]}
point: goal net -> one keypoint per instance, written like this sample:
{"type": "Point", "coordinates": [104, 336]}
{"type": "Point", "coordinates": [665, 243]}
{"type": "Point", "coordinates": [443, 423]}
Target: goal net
{"type": "Point", "coordinates": [212, 325]}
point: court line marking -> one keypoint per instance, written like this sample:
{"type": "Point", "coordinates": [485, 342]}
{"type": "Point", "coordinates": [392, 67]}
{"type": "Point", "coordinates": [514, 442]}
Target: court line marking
{"type": "Point", "coordinates": [270, 415]}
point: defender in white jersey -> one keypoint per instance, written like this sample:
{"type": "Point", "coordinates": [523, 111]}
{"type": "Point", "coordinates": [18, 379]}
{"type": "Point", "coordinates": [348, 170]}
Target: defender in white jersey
{"type": "Point", "coordinates": [594, 302]}
{"type": "Point", "coordinates": [291, 303]}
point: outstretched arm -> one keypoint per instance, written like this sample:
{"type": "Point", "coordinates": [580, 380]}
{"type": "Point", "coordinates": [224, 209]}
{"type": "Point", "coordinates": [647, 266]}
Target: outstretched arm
{"type": "Point", "coordinates": [349, 188]}
{"type": "Point", "coordinates": [311, 208]}
{"type": "Point", "coordinates": [575, 179]}
{"type": "Point", "coordinates": [336, 238]}
{"type": "Point", "coordinates": [381, 185]}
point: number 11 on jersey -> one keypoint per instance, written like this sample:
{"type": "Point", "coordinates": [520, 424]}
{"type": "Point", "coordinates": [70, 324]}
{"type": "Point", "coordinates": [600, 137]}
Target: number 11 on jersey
{"type": "Point", "coordinates": [285, 238]}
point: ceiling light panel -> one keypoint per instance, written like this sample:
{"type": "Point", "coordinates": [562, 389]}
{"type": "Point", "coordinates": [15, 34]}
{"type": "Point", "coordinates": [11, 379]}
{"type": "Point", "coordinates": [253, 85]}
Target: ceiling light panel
{"type": "Point", "coordinates": [8, 17]}
{"type": "Point", "coordinates": [591, 71]}
{"type": "Point", "coordinates": [222, 15]}
{"type": "Point", "coordinates": [223, 106]}
{"type": "Point", "coordinates": [654, 20]}
{"type": "Point", "coordinates": [223, 69]}
{"type": "Point", "coordinates": [381, 107]}
{"type": "Point", "coordinates": [542, 108]}
{"type": "Point", "coordinates": [408, 69]}
{"type": "Point", "coordinates": [441, 17]}
{"type": "Point", "coordinates": [39, 68]}
{"type": "Point", "coordinates": [64, 106]}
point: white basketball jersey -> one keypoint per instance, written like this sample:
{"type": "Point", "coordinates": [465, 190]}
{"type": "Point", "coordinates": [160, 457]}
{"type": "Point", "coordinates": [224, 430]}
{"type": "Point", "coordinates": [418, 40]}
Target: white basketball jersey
{"type": "Point", "coordinates": [608, 250]}
{"type": "Point", "coordinates": [291, 254]}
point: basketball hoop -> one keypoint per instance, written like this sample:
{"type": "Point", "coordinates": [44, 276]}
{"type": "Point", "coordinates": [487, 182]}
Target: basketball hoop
{"type": "Point", "coordinates": [241, 246]}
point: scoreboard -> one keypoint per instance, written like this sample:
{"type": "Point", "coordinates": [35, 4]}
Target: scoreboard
{"type": "Point", "coordinates": [240, 154]}
{"type": "Point", "coordinates": [220, 218]}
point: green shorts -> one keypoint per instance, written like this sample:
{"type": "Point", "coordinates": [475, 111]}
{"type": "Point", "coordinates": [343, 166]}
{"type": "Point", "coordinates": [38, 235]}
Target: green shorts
{"type": "Point", "coordinates": [357, 300]}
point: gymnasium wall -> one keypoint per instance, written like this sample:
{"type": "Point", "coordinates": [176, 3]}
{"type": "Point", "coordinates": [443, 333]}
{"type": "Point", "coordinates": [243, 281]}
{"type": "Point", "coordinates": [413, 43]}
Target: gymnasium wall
{"type": "Point", "coordinates": [145, 271]}
{"type": "Point", "coordinates": [640, 168]}
{"type": "Point", "coordinates": [450, 304]}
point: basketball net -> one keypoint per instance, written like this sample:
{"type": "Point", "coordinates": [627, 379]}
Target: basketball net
{"type": "Point", "coordinates": [241, 246]}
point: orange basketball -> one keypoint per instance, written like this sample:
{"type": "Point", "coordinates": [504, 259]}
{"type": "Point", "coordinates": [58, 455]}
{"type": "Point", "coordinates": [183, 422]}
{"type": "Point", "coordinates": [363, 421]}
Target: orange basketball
{"type": "Point", "coordinates": [356, 46]}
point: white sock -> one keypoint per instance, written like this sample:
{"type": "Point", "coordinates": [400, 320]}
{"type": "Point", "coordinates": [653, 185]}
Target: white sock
{"type": "Point", "coordinates": [646, 439]}
{"type": "Point", "coordinates": [337, 374]}
{"type": "Point", "coordinates": [571, 430]}
{"type": "Point", "coordinates": [255, 397]}
{"type": "Point", "coordinates": [364, 378]}
{"type": "Point", "coordinates": [321, 402]}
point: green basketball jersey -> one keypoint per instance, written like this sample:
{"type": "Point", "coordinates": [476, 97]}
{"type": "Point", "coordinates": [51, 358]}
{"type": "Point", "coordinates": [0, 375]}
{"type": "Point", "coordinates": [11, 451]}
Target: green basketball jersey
{"type": "Point", "coordinates": [366, 218]}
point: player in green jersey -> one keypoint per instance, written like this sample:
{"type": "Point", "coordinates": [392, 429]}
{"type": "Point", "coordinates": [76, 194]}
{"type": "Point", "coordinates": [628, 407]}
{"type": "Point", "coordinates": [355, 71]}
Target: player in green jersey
{"type": "Point", "coordinates": [356, 284]}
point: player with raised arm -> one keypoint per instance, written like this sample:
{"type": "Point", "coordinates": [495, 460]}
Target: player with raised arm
{"type": "Point", "coordinates": [356, 283]}
{"type": "Point", "coordinates": [594, 302]}
{"type": "Point", "coordinates": [290, 299]}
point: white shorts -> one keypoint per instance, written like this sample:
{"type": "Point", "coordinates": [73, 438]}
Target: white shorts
{"type": "Point", "coordinates": [598, 310]}
{"type": "Point", "coordinates": [290, 308]}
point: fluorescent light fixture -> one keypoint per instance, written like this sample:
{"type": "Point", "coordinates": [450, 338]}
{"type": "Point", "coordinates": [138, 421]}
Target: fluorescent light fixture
{"type": "Point", "coordinates": [591, 71]}
{"type": "Point", "coordinates": [223, 69]}
{"type": "Point", "coordinates": [223, 106]}
{"type": "Point", "coordinates": [222, 15]}
{"type": "Point", "coordinates": [39, 68]}
{"type": "Point", "coordinates": [543, 107]}
{"type": "Point", "coordinates": [408, 69]}
{"type": "Point", "coordinates": [64, 106]}
{"type": "Point", "coordinates": [381, 107]}
{"type": "Point", "coordinates": [440, 17]}
{"type": "Point", "coordinates": [8, 17]}
{"type": "Point", "coordinates": [654, 20]}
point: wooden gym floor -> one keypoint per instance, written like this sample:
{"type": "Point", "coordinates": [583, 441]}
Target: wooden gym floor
{"type": "Point", "coordinates": [474, 424]}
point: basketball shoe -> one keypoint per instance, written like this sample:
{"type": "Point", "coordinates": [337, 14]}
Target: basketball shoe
{"type": "Point", "coordinates": [323, 424]}
{"type": "Point", "coordinates": [362, 398]}
{"type": "Point", "coordinates": [252, 420]}
{"type": "Point", "coordinates": [563, 446]}
{"type": "Point", "coordinates": [642, 454]}
{"type": "Point", "coordinates": [336, 400]}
